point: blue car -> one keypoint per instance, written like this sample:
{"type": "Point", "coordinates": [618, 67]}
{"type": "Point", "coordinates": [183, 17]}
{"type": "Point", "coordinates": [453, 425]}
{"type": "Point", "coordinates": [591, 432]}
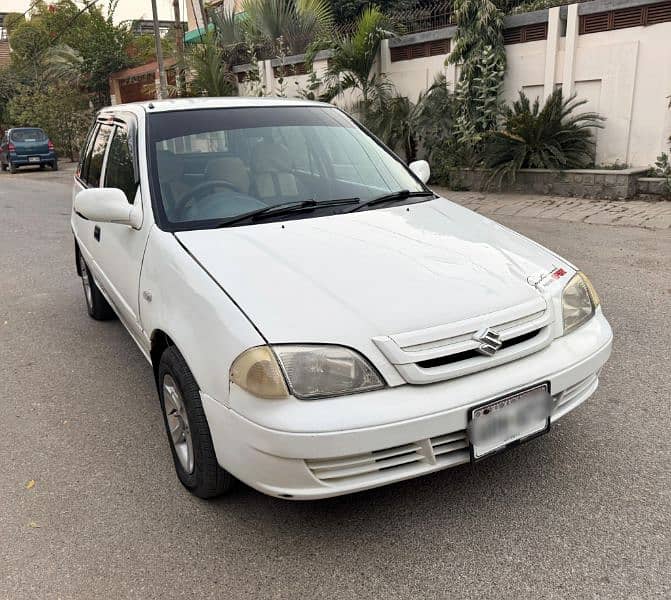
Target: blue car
{"type": "Point", "coordinates": [27, 146]}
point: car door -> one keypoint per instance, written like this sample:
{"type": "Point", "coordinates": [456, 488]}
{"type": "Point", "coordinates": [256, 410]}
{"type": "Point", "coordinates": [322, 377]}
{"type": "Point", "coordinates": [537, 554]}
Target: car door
{"type": "Point", "coordinates": [120, 248]}
{"type": "Point", "coordinates": [89, 175]}
{"type": "Point", "coordinates": [117, 250]}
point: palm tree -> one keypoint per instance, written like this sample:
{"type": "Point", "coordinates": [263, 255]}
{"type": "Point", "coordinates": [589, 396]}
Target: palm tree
{"type": "Point", "coordinates": [547, 138]}
{"type": "Point", "coordinates": [297, 22]}
{"type": "Point", "coordinates": [64, 64]}
{"type": "Point", "coordinates": [210, 73]}
{"type": "Point", "coordinates": [395, 123]}
{"type": "Point", "coordinates": [353, 59]}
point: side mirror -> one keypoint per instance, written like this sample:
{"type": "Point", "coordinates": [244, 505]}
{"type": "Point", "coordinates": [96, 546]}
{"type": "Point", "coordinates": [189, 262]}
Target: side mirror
{"type": "Point", "coordinates": [422, 169]}
{"type": "Point", "coordinates": [107, 205]}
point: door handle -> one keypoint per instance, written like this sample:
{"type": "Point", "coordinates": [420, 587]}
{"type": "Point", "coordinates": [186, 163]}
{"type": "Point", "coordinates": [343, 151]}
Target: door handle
{"type": "Point", "coordinates": [96, 233]}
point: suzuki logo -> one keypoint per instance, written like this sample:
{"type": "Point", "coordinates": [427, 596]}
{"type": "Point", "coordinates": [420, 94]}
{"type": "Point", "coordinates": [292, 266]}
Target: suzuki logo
{"type": "Point", "coordinates": [490, 341]}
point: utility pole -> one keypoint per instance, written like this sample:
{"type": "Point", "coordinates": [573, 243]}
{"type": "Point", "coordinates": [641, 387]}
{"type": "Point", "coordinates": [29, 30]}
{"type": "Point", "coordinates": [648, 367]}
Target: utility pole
{"type": "Point", "coordinates": [163, 81]}
{"type": "Point", "coordinates": [179, 47]}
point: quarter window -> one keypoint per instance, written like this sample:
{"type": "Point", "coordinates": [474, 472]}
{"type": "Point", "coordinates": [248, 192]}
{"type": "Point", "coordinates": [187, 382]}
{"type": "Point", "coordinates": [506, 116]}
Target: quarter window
{"type": "Point", "coordinates": [120, 172]}
{"type": "Point", "coordinates": [98, 155]}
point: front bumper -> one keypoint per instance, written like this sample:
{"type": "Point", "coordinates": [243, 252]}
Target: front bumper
{"type": "Point", "coordinates": [315, 463]}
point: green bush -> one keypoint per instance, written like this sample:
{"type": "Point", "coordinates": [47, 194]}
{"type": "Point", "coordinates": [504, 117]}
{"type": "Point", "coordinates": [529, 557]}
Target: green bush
{"type": "Point", "coordinates": [62, 111]}
{"type": "Point", "coordinates": [551, 137]}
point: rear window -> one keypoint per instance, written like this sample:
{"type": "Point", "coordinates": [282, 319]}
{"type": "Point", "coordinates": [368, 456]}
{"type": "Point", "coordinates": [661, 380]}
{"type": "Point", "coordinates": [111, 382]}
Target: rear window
{"type": "Point", "coordinates": [28, 135]}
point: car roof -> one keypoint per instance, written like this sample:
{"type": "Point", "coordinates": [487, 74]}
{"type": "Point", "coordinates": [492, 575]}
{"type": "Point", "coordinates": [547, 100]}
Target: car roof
{"type": "Point", "coordinates": [178, 104]}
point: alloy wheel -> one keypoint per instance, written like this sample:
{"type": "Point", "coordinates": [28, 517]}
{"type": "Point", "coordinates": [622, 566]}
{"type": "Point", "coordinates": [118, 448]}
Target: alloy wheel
{"type": "Point", "coordinates": [178, 424]}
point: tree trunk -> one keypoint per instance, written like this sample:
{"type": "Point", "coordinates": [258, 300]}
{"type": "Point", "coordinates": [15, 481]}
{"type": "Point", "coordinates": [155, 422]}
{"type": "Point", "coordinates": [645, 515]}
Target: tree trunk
{"type": "Point", "coordinates": [179, 49]}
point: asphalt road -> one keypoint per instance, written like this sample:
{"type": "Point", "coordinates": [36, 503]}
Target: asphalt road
{"type": "Point", "coordinates": [584, 512]}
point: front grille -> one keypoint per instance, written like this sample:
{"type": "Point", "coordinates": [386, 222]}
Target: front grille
{"type": "Point", "coordinates": [451, 350]}
{"type": "Point", "coordinates": [459, 356]}
{"type": "Point", "coordinates": [440, 451]}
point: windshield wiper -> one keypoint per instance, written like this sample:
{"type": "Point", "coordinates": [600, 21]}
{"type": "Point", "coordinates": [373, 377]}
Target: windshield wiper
{"type": "Point", "coordinates": [283, 209]}
{"type": "Point", "coordinates": [393, 197]}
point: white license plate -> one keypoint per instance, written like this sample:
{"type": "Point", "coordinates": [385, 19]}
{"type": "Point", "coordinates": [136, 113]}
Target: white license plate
{"type": "Point", "coordinates": [514, 418]}
{"type": "Point", "coordinates": [34, 159]}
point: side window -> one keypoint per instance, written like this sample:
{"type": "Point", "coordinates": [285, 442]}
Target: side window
{"type": "Point", "coordinates": [98, 155]}
{"type": "Point", "coordinates": [86, 154]}
{"type": "Point", "coordinates": [120, 172]}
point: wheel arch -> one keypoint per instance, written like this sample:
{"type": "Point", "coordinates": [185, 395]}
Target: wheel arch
{"type": "Point", "coordinates": [160, 342]}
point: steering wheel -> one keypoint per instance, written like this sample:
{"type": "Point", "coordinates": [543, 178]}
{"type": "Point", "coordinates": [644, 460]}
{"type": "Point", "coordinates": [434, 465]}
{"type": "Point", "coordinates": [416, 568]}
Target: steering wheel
{"type": "Point", "coordinates": [185, 202]}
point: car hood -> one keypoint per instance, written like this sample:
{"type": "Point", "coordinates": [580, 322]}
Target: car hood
{"type": "Point", "coordinates": [347, 278]}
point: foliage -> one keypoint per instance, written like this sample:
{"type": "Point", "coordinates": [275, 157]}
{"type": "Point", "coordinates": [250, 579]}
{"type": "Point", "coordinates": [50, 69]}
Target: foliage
{"type": "Point", "coordinates": [663, 169]}
{"type": "Point", "coordinates": [64, 64]}
{"type": "Point", "coordinates": [59, 109]}
{"type": "Point", "coordinates": [394, 122]}
{"type": "Point", "coordinates": [210, 74]}
{"type": "Point", "coordinates": [347, 11]}
{"type": "Point", "coordinates": [533, 5]}
{"type": "Point", "coordinates": [142, 48]}
{"type": "Point", "coordinates": [478, 48]}
{"type": "Point", "coordinates": [98, 41]}
{"type": "Point", "coordinates": [422, 130]}
{"type": "Point", "coordinates": [551, 137]}
{"type": "Point", "coordinates": [297, 22]}
{"type": "Point", "coordinates": [353, 58]}
{"type": "Point", "coordinates": [9, 84]}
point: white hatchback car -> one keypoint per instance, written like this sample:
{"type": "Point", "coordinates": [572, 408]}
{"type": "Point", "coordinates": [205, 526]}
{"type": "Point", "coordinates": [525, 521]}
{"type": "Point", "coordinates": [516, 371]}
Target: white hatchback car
{"type": "Point", "coordinates": [318, 321]}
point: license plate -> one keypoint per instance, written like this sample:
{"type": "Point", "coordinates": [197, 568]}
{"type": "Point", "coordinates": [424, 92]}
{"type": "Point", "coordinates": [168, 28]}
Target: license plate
{"type": "Point", "coordinates": [515, 418]}
{"type": "Point", "coordinates": [34, 159]}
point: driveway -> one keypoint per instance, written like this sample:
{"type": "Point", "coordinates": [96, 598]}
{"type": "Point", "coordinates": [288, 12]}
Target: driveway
{"type": "Point", "coordinates": [90, 507]}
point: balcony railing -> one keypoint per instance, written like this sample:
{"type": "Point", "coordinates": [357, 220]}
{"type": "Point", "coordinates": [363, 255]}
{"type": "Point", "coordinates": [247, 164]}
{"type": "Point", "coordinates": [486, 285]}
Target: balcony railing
{"type": "Point", "coordinates": [423, 18]}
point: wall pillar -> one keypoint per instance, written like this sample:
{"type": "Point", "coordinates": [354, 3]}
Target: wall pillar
{"type": "Point", "coordinates": [115, 92]}
{"type": "Point", "coordinates": [385, 56]}
{"type": "Point", "coordinates": [551, 46]}
{"type": "Point", "coordinates": [568, 87]}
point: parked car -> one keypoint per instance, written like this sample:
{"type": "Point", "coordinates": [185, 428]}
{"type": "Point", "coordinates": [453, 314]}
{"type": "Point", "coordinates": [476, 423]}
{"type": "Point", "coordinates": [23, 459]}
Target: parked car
{"type": "Point", "coordinates": [27, 146]}
{"type": "Point", "coordinates": [318, 321]}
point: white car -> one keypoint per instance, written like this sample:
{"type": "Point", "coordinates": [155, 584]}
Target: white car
{"type": "Point", "coordinates": [318, 321]}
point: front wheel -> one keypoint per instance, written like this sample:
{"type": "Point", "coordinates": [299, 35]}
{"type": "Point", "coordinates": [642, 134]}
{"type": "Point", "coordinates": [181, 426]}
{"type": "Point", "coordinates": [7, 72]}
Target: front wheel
{"type": "Point", "coordinates": [96, 305]}
{"type": "Point", "coordinates": [187, 429]}
{"type": "Point", "coordinates": [3, 166]}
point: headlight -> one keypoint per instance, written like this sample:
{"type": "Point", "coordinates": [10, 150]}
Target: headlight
{"type": "Point", "coordinates": [579, 301]}
{"type": "Point", "coordinates": [311, 371]}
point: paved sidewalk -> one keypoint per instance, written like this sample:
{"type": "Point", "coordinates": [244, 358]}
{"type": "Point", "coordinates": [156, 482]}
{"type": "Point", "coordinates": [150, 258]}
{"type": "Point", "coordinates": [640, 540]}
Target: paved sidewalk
{"type": "Point", "coordinates": [633, 213]}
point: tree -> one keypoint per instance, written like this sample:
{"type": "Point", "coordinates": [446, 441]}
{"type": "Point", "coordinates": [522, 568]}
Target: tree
{"type": "Point", "coordinates": [94, 36]}
{"type": "Point", "coordinates": [351, 65]}
{"type": "Point", "coordinates": [298, 22]}
{"type": "Point", "coordinates": [210, 75]}
{"type": "Point", "coordinates": [479, 50]}
{"type": "Point", "coordinates": [61, 110]}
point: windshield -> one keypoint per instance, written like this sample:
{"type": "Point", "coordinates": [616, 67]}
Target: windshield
{"type": "Point", "coordinates": [28, 135]}
{"type": "Point", "coordinates": [215, 164]}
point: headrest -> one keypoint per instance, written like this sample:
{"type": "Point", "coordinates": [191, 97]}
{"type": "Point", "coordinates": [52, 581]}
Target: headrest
{"type": "Point", "coordinates": [170, 166]}
{"type": "Point", "coordinates": [229, 168]}
{"type": "Point", "coordinates": [269, 156]}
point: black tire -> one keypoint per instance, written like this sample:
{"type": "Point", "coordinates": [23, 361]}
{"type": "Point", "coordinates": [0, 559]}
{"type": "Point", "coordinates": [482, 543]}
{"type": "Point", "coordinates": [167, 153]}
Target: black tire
{"type": "Point", "coordinates": [54, 165]}
{"type": "Point", "coordinates": [41, 167]}
{"type": "Point", "coordinates": [3, 166]}
{"type": "Point", "coordinates": [96, 305]}
{"type": "Point", "coordinates": [206, 478]}
{"type": "Point", "coordinates": [12, 168]}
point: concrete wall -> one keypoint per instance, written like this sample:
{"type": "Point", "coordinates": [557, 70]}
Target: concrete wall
{"type": "Point", "coordinates": [625, 75]}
